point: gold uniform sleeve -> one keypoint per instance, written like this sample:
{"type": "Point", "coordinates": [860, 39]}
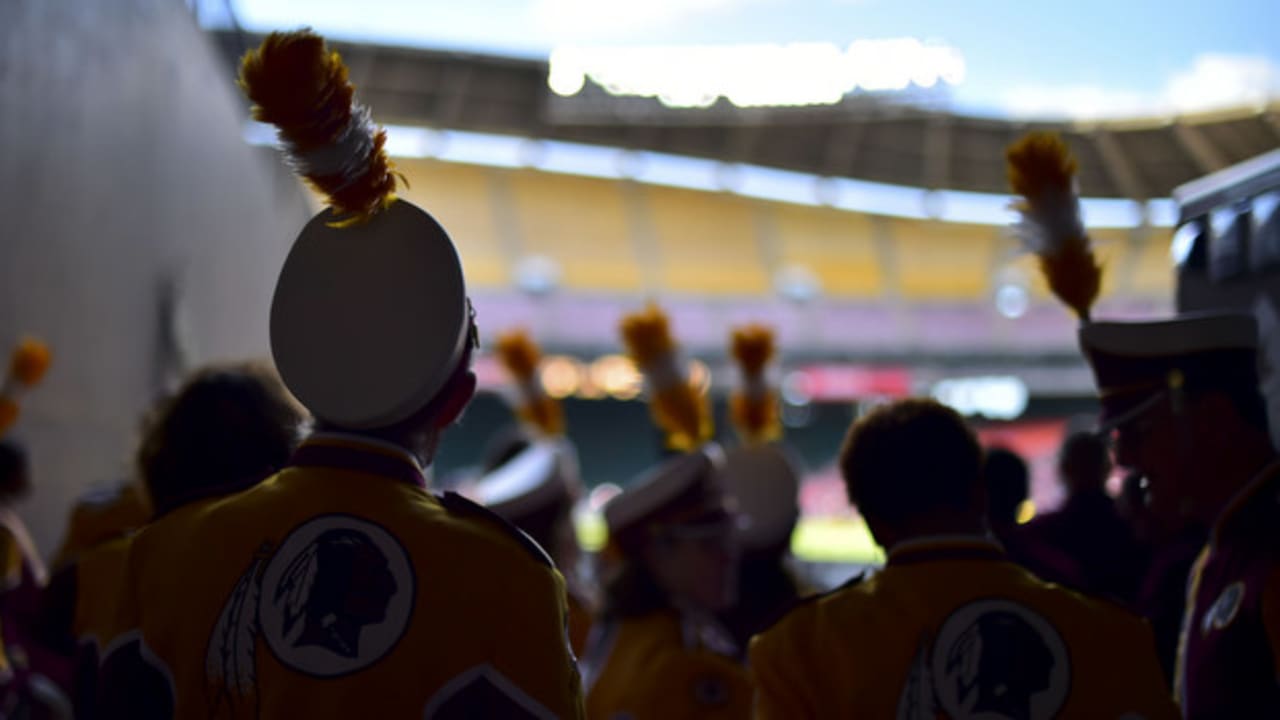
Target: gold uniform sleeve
{"type": "Point", "coordinates": [541, 662]}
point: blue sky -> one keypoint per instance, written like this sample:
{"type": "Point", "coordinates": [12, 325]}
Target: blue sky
{"type": "Point", "coordinates": [1085, 58]}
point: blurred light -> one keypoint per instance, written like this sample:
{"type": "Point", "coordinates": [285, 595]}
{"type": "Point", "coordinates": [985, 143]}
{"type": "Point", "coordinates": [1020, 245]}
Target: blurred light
{"type": "Point", "coordinates": [1012, 300]}
{"type": "Point", "coordinates": [795, 389]}
{"type": "Point", "coordinates": [588, 389]}
{"type": "Point", "coordinates": [1221, 219]}
{"type": "Point", "coordinates": [1264, 206]}
{"type": "Point", "coordinates": [996, 397]}
{"type": "Point", "coordinates": [798, 284]}
{"type": "Point", "coordinates": [797, 416]}
{"type": "Point", "coordinates": [1026, 511]}
{"type": "Point", "coordinates": [757, 75]}
{"type": "Point", "coordinates": [618, 376]}
{"type": "Point", "coordinates": [602, 494]}
{"type": "Point", "coordinates": [537, 275]}
{"type": "Point", "coordinates": [1162, 212]}
{"type": "Point", "coordinates": [1184, 241]}
{"type": "Point", "coordinates": [532, 153]}
{"type": "Point", "coordinates": [566, 76]}
{"type": "Point", "coordinates": [561, 376]}
{"type": "Point", "coordinates": [700, 376]}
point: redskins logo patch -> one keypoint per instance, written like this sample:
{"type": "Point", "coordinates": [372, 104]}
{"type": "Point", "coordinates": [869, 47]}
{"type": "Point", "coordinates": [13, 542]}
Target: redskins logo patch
{"type": "Point", "coordinates": [336, 597]}
{"type": "Point", "coordinates": [991, 660]}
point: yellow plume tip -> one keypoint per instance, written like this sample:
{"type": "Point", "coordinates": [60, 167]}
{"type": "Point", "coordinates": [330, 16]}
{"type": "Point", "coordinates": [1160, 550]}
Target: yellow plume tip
{"type": "Point", "coordinates": [31, 360]}
{"type": "Point", "coordinates": [1042, 170]}
{"type": "Point", "coordinates": [647, 335]}
{"type": "Point", "coordinates": [8, 414]}
{"type": "Point", "coordinates": [301, 86]}
{"type": "Point", "coordinates": [752, 347]}
{"type": "Point", "coordinates": [1040, 162]}
{"type": "Point", "coordinates": [518, 354]}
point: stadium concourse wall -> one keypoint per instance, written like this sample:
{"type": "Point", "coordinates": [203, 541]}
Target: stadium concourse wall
{"type": "Point", "coordinates": [141, 236]}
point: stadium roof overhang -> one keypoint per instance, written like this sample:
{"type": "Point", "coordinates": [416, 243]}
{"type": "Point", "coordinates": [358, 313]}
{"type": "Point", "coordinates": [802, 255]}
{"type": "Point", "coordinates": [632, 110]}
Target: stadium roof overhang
{"type": "Point", "coordinates": [864, 137]}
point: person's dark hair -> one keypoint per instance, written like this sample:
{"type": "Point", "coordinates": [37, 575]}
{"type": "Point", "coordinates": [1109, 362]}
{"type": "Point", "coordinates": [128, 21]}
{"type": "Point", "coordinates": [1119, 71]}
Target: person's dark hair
{"type": "Point", "coordinates": [227, 428]}
{"type": "Point", "coordinates": [909, 457]}
{"type": "Point", "coordinates": [1085, 461]}
{"type": "Point", "coordinates": [14, 469]}
{"type": "Point", "coordinates": [1007, 479]}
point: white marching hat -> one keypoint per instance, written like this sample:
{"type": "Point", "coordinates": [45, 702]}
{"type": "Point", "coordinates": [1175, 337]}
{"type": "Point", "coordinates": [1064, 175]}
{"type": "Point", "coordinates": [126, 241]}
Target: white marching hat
{"type": "Point", "coordinates": [684, 490]}
{"type": "Point", "coordinates": [541, 476]}
{"type": "Point", "coordinates": [370, 316]}
{"type": "Point", "coordinates": [764, 483]}
{"type": "Point", "coordinates": [369, 321]}
{"type": "Point", "coordinates": [1135, 363]}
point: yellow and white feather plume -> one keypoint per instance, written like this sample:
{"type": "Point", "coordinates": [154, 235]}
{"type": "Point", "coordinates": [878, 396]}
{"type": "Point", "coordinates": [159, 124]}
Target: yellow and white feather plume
{"type": "Point", "coordinates": [676, 405]}
{"type": "Point", "coordinates": [754, 406]}
{"type": "Point", "coordinates": [299, 85]}
{"type": "Point", "coordinates": [27, 367]}
{"type": "Point", "coordinates": [520, 355]}
{"type": "Point", "coordinates": [1041, 169]}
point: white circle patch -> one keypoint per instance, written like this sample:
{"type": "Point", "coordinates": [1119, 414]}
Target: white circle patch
{"type": "Point", "coordinates": [996, 659]}
{"type": "Point", "coordinates": [336, 596]}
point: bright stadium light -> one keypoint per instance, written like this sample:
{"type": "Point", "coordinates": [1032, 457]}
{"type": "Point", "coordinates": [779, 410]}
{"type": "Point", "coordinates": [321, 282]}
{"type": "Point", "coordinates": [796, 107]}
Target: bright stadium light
{"type": "Point", "coordinates": [561, 376]}
{"type": "Point", "coordinates": [756, 75]}
{"type": "Point", "coordinates": [1012, 300]}
{"type": "Point", "coordinates": [537, 275]}
{"type": "Point", "coordinates": [997, 397]}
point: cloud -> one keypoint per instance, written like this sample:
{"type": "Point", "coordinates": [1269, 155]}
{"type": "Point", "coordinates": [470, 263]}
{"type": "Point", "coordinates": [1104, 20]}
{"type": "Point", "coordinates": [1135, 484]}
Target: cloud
{"type": "Point", "coordinates": [572, 17]}
{"type": "Point", "coordinates": [1213, 81]}
{"type": "Point", "coordinates": [1216, 80]}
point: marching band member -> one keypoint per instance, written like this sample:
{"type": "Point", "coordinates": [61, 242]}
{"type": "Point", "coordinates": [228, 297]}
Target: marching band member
{"type": "Point", "coordinates": [32, 677]}
{"type": "Point", "coordinates": [658, 650]}
{"type": "Point", "coordinates": [341, 586]}
{"type": "Point", "coordinates": [227, 428]}
{"type": "Point", "coordinates": [1181, 399]}
{"type": "Point", "coordinates": [950, 627]}
{"type": "Point", "coordinates": [536, 485]}
{"type": "Point", "coordinates": [763, 479]}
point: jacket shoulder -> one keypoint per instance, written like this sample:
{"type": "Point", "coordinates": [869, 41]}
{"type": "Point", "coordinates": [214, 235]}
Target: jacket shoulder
{"type": "Point", "coordinates": [459, 506]}
{"type": "Point", "coordinates": [807, 605]}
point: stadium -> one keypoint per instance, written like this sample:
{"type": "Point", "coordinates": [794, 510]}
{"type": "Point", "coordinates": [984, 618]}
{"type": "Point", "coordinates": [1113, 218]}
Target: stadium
{"type": "Point", "coordinates": [686, 358]}
{"type": "Point", "coordinates": [873, 234]}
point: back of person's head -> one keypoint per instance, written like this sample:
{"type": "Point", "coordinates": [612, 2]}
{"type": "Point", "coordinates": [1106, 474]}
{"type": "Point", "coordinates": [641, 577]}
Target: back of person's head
{"type": "Point", "coordinates": [1084, 462]}
{"type": "Point", "coordinates": [224, 430]}
{"type": "Point", "coordinates": [1008, 484]}
{"type": "Point", "coordinates": [913, 458]}
{"type": "Point", "coordinates": [14, 472]}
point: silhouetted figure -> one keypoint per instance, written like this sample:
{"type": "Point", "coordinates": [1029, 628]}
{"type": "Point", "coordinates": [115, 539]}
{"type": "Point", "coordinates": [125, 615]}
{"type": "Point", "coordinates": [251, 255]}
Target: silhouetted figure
{"type": "Point", "coordinates": [950, 627]}
{"type": "Point", "coordinates": [1008, 485]}
{"type": "Point", "coordinates": [764, 481]}
{"type": "Point", "coordinates": [1088, 528]}
{"type": "Point", "coordinates": [1182, 397]}
{"type": "Point", "coordinates": [225, 429]}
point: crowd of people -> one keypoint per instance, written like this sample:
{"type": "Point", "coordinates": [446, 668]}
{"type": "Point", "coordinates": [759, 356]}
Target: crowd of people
{"type": "Point", "coordinates": [281, 553]}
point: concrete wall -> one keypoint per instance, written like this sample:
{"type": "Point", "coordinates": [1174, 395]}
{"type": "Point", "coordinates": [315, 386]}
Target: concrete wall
{"type": "Point", "coordinates": [127, 198]}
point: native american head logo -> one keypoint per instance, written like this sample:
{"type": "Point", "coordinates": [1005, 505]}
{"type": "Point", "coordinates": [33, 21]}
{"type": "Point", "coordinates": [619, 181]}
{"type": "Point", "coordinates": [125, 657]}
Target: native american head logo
{"type": "Point", "coordinates": [334, 598]}
{"type": "Point", "coordinates": [992, 659]}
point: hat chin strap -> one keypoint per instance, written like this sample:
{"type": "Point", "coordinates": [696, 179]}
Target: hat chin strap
{"type": "Point", "coordinates": [1138, 410]}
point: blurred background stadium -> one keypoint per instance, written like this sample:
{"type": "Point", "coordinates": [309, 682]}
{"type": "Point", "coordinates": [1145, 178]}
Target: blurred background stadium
{"type": "Point", "coordinates": [863, 214]}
